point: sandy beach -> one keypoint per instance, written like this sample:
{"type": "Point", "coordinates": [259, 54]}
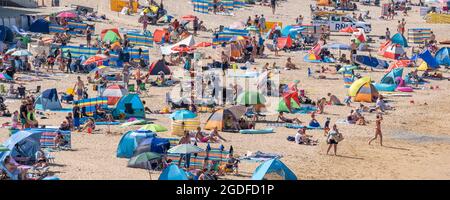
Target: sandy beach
{"type": "Point", "coordinates": [416, 137]}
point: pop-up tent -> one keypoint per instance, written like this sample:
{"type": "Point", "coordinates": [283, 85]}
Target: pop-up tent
{"type": "Point", "coordinates": [273, 170]}
{"type": "Point", "coordinates": [159, 66]}
{"type": "Point", "coordinates": [173, 172]}
{"type": "Point", "coordinates": [153, 144]}
{"type": "Point", "coordinates": [40, 26]}
{"type": "Point", "coordinates": [443, 56]}
{"type": "Point", "coordinates": [362, 90]}
{"type": "Point", "coordinates": [114, 93]}
{"type": "Point", "coordinates": [130, 141]}
{"type": "Point", "coordinates": [399, 39]}
{"type": "Point", "coordinates": [226, 119]}
{"type": "Point", "coordinates": [48, 100]}
{"type": "Point", "coordinates": [429, 60]}
{"type": "Point", "coordinates": [6, 34]}
{"type": "Point", "coordinates": [129, 106]}
{"type": "Point", "coordinates": [392, 76]}
{"type": "Point", "coordinates": [284, 42]}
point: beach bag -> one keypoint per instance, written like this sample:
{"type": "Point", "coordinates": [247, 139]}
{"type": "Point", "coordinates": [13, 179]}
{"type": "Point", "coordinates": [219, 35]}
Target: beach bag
{"type": "Point", "coordinates": [291, 138]}
{"type": "Point", "coordinates": [339, 137]}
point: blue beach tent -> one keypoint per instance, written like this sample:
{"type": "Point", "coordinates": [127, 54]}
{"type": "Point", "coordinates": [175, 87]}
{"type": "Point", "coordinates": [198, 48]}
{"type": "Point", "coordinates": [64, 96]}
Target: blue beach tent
{"type": "Point", "coordinates": [130, 141]}
{"type": "Point", "coordinates": [273, 170]}
{"type": "Point", "coordinates": [173, 172]}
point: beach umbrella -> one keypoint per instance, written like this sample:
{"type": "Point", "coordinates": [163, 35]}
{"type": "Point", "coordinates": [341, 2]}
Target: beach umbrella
{"type": "Point", "coordinates": [348, 29]}
{"type": "Point", "coordinates": [154, 128]}
{"type": "Point", "coordinates": [67, 15]}
{"type": "Point", "coordinates": [94, 59]}
{"type": "Point", "coordinates": [3, 148]}
{"type": "Point", "coordinates": [21, 53]}
{"type": "Point", "coordinates": [111, 37]}
{"type": "Point", "coordinates": [347, 68]}
{"type": "Point", "coordinates": [4, 76]}
{"type": "Point", "coordinates": [99, 69]}
{"type": "Point", "coordinates": [251, 98]}
{"type": "Point", "coordinates": [185, 149]}
{"type": "Point", "coordinates": [203, 44]}
{"type": "Point", "coordinates": [183, 48]}
{"type": "Point", "coordinates": [237, 38]}
{"type": "Point", "coordinates": [143, 160]}
{"type": "Point", "coordinates": [398, 64]}
{"type": "Point", "coordinates": [183, 114]}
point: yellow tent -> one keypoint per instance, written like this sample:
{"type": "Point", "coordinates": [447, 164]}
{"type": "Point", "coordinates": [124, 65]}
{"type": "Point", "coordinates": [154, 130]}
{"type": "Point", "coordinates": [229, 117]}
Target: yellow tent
{"type": "Point", "coordinates": [362, 90]}
{"type": "Point", "coordinates": [423, 66]}
{"type": "Point", "coordinates": [270, 25]}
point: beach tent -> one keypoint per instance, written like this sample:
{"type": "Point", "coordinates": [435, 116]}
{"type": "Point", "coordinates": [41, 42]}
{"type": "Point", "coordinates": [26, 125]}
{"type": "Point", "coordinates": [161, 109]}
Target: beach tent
{"type": "Point", "coordinates": [104, 31]}
{"type": "Point", "coordinates": [114, 93]}
{"type": "Point", "coordinates": [22, 144]}
{"type": "Point", "coordinates": [111, 37]}
{"type": "Point", "coordinates": [251, 98]}
{"type": "Point", "coordinates": [40, 26]}
{"type": "Point", "coordinates": [130, 141]}
{"type": "Point", "coordinates": [284, 42]}
{"type": "Point", "coordinates": [273, 169]}
{"type": "Point", "coordinates": [159, 66]}
{"type": "Point", "coordinates": [129, 106]}
{"type": "Point", "coordinates": [428, 58]}
{"type": "Point", "coordinates": [226, 119]}
{"type": "Point", "coordinates": [6, 34]}
{"type": "Point", "coordinates": [371, 61]}
{"type": "Point", "coordinates": [398, 38]}
{"type": "Point", "coordinates": [443, 56]}
{"type": "Point", "coordinates": [393, 51]}
{"type": "Point", "coordinates": [362, 90]}
{"type": "Point", "coordinates": [391, 77]}
{"type": "Point", "coordinates": [153, 144]}
{"type": "Point", "coordinates": [144, 160]}
{"type": "Point", "coordinates": [282, 107]}
{"type": "Point", "coordinates": [48, 100]}
{"type": "Point", "coordinates": [159, 34]}
{"type": "Point", "coordinates": [312, 58]}
{"type": "Point", "coordinates": [173, 172]}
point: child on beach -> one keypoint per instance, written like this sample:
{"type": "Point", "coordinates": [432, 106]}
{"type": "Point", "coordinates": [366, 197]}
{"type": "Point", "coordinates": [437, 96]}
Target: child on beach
{"type": "Point", "coordinates": [15, 119]}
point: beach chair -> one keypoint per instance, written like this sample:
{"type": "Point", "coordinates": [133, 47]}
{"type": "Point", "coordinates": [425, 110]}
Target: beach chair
{"type": "Point", "coordinates": [143, 90]}
{"type": "Point", "coordinates": [131, 88]}
{"type": "Point", "coordinates": [3, 90]}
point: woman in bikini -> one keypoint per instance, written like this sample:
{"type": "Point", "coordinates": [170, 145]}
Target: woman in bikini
{"type": "Point", "coordinates": [378, 130]}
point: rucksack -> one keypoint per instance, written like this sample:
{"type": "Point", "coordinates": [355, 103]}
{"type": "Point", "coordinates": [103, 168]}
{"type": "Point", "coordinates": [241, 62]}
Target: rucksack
{"type": "Point", "coordinates": [291, 138]}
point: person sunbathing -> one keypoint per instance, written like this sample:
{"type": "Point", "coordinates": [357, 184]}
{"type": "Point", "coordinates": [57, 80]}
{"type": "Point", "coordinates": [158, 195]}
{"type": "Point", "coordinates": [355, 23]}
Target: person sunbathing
{"type": "Point", "coordinates": [60, 141]}
{"type": "Point", "coordinates": [284, 119]}
{"type": "Point", "coordinates": [214, 136]}
{"type": "Point", "coordinates": [334, 100]}
{"type": "Point", "coordinates": [199, 137]}
{"type": "Point", "coordinates": [351, 118]}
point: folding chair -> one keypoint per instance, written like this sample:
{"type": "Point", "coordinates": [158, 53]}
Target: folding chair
{"type": "Point", "coordinates": [143, 90]}
{"type": "Point", "coordinates": [131, 88]}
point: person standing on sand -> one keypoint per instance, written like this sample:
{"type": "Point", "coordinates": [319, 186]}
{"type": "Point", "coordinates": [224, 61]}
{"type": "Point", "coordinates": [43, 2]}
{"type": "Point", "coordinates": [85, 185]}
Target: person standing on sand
{"type": "Point", "coordinates": [378, 130]}
{"type": "Point", "coordinates": [273, 4]}
{"type": "Point", "coordinates": [79, 87]}
{"type": "Point", "coordinates": [333, 139]}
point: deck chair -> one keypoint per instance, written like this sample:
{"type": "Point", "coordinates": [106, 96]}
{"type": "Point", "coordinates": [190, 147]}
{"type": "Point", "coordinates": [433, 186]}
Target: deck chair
{"type": "Point", "coordinates": [143, 90]}
{"type": "Point", "coordinates": [131, 88]}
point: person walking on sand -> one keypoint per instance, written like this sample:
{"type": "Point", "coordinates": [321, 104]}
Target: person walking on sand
{"type": "Point", "coordinates": [333, 138]}
{"type": "Point", "coordinates": [378, 130]}
{"type": "Point", "coordinates": [79, 87]}
{"type": "Point", "coordinates": [273, 4]}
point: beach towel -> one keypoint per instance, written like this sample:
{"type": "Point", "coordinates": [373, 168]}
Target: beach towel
{"type": "Point", "coordinates": [259, 156]}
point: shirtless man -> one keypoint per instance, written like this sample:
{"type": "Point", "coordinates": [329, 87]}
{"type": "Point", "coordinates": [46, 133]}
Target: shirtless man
{"type": "Point", "coordinates": [334, 100]}
{"type": "Point", "coordinates": [79, 88]}
{"type": "Point", "coordinates": [378, 130]}
{"type": "Point", "coordinates": [282, 118]}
